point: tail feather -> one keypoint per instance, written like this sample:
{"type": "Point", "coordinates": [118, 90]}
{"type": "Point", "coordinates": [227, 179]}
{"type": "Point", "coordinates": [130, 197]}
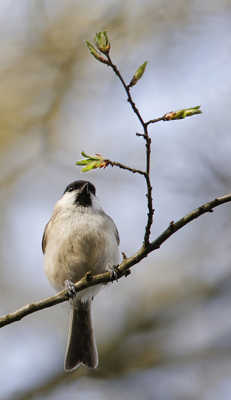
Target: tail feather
{"type": "Point", "coordinates": [81, 347]}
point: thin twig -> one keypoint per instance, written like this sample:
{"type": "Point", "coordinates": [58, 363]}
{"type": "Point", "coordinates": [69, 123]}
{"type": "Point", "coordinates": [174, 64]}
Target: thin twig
{"type": "Point", "coordinates": [155, 120]}
{"type": "Point", "coordinates": [122, 269]}
{"type": "Point", "coordinates": [148, 150]}
{"type": "Point", "coordinates": [122, 166]}
{"type": "Point", "coordinates": [149, 187]}
{"type": "Point", "coordinates": [127, 89]}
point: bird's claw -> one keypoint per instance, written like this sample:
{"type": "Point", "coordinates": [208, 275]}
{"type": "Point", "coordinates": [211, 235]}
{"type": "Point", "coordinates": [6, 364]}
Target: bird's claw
{"type": "Point", "coordinates": [70, 287]}
{"type": "Point", "coordinates": [114, 272]}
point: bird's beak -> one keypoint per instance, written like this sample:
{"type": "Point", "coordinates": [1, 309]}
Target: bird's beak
{"type": "Point", "coordinates": [85, 190]}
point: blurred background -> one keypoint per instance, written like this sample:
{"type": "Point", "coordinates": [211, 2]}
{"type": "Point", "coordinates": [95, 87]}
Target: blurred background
{"type": "Point", "coordinates": [164, 332]}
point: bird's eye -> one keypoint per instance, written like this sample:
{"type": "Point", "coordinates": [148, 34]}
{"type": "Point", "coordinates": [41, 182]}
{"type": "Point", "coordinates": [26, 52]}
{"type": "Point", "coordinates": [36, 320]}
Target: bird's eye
{"type": "Point", "coordinates": [70, 188]}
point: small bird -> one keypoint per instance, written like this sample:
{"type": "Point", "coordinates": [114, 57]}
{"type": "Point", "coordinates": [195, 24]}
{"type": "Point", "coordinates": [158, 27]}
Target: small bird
{"type": "Point", "coordinates": [79, 238]}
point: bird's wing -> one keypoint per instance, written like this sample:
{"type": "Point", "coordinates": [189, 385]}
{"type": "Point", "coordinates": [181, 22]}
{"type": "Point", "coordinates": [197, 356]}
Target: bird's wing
{"type": "Point", "coordinates": [44, 239]}
{"type": "Point", "coordinates": [117, 236]}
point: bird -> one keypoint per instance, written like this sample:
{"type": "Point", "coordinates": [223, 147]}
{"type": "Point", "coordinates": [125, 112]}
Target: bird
{"type": "Point", "coordinates": [79, 238]}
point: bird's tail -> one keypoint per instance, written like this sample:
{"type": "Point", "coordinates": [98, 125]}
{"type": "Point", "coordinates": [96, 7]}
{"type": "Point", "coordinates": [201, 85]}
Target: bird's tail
{"type": "Point", "coordinates": [81, 346]}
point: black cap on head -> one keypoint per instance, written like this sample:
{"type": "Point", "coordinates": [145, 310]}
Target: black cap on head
{"type": "Point", "coordinates": [83, 197]}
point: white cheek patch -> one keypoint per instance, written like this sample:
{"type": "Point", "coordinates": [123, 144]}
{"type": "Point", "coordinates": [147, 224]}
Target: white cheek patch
{"type": "Point", "coordinates": [67, 199]}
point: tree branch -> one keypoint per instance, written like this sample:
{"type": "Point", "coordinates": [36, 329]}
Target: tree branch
{"type": "Point", "coordinates": [122, 270]}
{"type": "Point", "coordinates": [122, 166]}
{"type": "Point", "coordinates": [101, 53]}
{"type": "Point", "coordinates": [147, 139]}
{"type": "Point", "coordinates": [127, 89]}
{"type": "Point", "coordinates": [155, 120]}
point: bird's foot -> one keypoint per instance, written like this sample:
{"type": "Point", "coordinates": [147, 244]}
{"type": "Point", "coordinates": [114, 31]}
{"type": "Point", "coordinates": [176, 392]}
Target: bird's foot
{"type": "Point", "coordinates": [71, 289]}
{"type": "Point", "coordinates": [114, 272]}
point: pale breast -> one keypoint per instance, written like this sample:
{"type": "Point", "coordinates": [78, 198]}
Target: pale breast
{"type": "Point", "coordinates": [77, 245]}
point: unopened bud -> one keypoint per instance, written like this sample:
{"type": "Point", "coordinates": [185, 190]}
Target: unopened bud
{"type": "Point", "coordinates": [102, 42]}
{"type": "Point", "coordinates": [95, 53]}
{"type": "Point", "coordinates": [138, 74]}
{"type": "Point", "coordinates": [181, 114]}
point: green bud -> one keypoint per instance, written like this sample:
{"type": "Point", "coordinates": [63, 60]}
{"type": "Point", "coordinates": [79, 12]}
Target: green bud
{"type": "Point", "coordinates": [82, 162]}
{"type": "Point", "coordinates": [181, 114]}
{"type": "Point", "coordinates": [95, 53]}
{"type": "Point", "coordinates": [89, 166]}
{"type": "Point", "coordinates": [138, 74]}
{"type": "Point", "coordinates": [96, 157]}
{"type": "Point", "coordinates": [102, 42]}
